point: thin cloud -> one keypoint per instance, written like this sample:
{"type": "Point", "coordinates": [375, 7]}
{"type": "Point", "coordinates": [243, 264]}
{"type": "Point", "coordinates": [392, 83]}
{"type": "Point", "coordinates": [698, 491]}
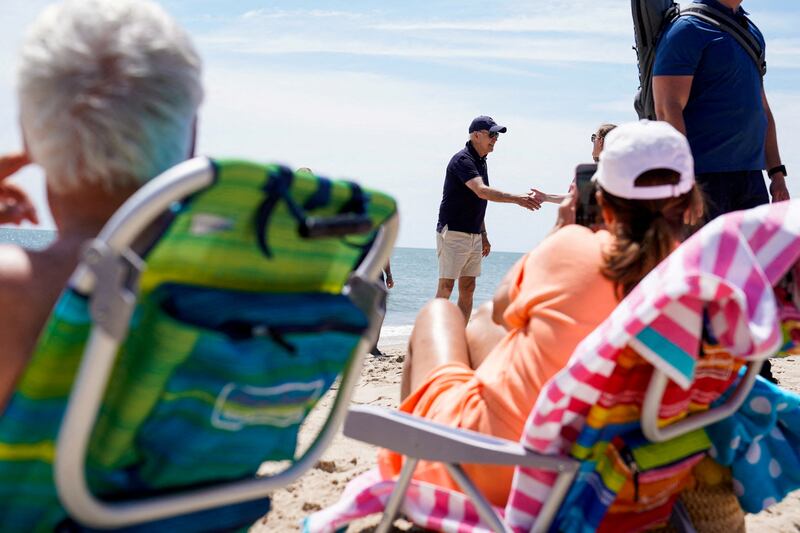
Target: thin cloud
{"type": "Point", "coordinates": [556, 34]}
{"type": "Point", "coordinates": [258, 14]}
{"type": "Point", "coordinates": [584, 25]}
{"type": "Point", "coordinates": [540, 50]}
{"type": "Point", "coordinates": [783, 53]}
{"type": "Point", "coordinates": [615, 106]}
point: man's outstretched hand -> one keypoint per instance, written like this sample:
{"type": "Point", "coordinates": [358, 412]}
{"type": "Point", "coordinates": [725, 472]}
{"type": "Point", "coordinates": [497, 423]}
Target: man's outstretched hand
{"type": "Point", "coordinates": [15, 206]}
{"type": "Point", "coordinates": [538, 196]}
{"type": "Point", "coordinates": [530, 201]}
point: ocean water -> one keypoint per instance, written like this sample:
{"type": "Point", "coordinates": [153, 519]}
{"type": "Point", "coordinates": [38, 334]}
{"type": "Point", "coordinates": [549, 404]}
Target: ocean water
{"type": "Point", "coordinates": [34, 239]}
{"type": "Point", "coordinates": [415, 273]}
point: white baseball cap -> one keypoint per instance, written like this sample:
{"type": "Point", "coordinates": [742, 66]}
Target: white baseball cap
{"type": "Point", "coordinates": [632, 149]}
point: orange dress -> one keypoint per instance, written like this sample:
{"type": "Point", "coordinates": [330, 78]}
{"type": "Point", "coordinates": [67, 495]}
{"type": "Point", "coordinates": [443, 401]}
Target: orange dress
{"type": "Point", "coordinates": [558, 296]}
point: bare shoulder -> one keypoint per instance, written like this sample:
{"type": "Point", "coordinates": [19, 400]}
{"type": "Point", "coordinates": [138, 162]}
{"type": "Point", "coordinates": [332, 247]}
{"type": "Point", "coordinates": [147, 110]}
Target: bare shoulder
{"type": "Point", "coordinates": [26, 269]}
{"type": "Point", "coordinates": [15, 267]}
{"type": "Point", "coordinates": [30, 282]}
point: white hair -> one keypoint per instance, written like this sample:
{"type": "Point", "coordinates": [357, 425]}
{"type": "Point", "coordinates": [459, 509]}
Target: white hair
{"type": "Point", "coordinates": [108, 91]}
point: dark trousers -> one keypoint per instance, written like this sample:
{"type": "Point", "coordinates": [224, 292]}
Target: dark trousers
{"type": "Point", "coordinates": [732, 191]}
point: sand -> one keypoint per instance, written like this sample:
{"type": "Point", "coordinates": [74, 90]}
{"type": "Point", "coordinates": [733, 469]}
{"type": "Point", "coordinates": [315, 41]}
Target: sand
{"type": "Point", "coordinates": [346, 458]}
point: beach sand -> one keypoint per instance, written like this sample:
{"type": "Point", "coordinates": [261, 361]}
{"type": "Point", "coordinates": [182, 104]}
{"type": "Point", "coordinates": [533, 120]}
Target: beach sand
{"type": "Point", "coordinates": [346, 458]}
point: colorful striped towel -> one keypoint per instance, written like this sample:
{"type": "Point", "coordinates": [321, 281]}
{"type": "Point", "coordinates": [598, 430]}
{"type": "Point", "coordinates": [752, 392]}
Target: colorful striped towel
{"type": "Point", "coordinates": [728, 268]}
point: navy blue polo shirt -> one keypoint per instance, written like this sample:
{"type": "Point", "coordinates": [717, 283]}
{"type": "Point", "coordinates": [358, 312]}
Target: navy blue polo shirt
{"type": "Point", "coordinates": [461, 209]}
{"type": "Point", "coordinates": [725, 120]}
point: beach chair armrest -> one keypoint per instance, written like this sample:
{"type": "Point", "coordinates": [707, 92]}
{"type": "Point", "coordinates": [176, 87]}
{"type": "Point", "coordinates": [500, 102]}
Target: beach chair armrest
{"type": "Point", "coordinates": [417, 437]}
{"type": "Point", "coordinates": [655, 394]}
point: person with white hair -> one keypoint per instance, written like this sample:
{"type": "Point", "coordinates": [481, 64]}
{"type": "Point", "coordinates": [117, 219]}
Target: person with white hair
{"type": "Point", "coordinates": [108, 96]}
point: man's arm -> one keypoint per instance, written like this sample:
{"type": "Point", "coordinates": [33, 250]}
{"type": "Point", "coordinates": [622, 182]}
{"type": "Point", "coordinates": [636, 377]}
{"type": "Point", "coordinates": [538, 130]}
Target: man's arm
{"type": "Point", "coordinates": [777, 186]}
{"type": "Point", "coordinates": [670, 96]}
{"type": "Point", "coordinates": [530, 201]}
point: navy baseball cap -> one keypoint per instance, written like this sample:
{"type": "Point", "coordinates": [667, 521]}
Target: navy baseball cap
{"type": "Point", "coordinates": [486, 123]}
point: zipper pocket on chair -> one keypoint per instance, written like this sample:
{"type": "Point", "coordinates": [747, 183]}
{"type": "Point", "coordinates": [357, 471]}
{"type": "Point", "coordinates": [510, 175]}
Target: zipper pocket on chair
{"type": "Point", "coordinates": [244, 330]}
{"type": "Point", "coordinates": [627, 456]}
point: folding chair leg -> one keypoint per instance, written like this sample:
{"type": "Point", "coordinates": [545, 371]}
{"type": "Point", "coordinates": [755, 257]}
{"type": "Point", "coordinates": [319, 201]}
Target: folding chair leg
{"type": "Point", "coordinates": [550, 508]}
{"type": "Point", "coordinates": [484, 508]}
{"type": "Point", "coordinates": [680, 519]}
{"type": "Point", "coordinates": [396, 498]}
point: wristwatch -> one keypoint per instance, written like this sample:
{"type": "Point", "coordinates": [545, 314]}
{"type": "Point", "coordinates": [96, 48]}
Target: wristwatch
{"type": "Point", "coordinates": [774, 170]}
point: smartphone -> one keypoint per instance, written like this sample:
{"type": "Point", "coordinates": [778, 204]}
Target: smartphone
{"type": "Point", "coordinates": [587, 212]}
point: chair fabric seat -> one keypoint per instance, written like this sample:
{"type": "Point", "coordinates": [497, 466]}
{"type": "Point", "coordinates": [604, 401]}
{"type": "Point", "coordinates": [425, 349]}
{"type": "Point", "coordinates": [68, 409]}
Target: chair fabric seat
{"type": "Point", "coordinates": [231, 344]}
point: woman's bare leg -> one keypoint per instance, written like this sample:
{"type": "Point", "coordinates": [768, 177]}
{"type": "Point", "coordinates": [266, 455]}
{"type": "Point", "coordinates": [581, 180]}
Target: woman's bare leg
{"type": "Point", "coordinates": [438, 337]}
{"type": "Point", "coordinates": [482, 334]}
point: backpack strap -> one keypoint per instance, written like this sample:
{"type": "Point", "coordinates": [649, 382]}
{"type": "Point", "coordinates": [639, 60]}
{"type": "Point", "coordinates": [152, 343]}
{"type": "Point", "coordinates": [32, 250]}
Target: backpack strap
{"type": "Point", "coordinates": [650, 19]}
{"type": "Point", "coordinates": [728, 24]}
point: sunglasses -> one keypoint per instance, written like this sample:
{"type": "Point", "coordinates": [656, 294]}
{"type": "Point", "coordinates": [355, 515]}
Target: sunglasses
{"type": "Point", "coordinates": [493, 134]}
{"type": "Point", "coordinates": [595, 136]}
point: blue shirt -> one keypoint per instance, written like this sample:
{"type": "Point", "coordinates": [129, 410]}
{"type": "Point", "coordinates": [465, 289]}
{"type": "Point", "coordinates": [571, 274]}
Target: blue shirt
{"type": "Point", "coordinates": [725, 120]}
{"type": "Point", "coordinates": [461, 209]}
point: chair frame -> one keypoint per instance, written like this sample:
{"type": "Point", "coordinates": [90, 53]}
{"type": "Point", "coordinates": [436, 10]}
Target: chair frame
{"type": "Point", "coordinates": [421, 439]}
{"type": "Point", "coordinates": [109, 273]}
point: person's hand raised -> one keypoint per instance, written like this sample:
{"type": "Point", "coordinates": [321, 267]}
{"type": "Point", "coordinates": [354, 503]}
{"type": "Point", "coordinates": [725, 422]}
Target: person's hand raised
{"type": "Point", "coordinates": [15, 206]}
{"type": "Point", "coordinates": [538, 196]}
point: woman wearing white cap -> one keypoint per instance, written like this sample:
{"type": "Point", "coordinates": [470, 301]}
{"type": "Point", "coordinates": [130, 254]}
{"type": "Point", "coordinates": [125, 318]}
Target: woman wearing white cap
{"type": "Point", "coordinates": [475, 378]}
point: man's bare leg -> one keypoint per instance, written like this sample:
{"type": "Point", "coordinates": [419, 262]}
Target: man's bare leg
{"type": "Point", "coordinates": [438, 337]}
{"type": "Point", "coordinates": [445, 288]}
{"type": "Point", "coordinates": [466, 289]}
{"type": "Point", "coordinates": [483, 334]}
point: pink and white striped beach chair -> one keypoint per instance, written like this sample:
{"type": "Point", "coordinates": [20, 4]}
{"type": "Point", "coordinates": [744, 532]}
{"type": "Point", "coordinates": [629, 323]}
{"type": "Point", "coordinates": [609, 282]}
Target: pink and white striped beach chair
{"type": "Point", "coordinates": [726, 272]}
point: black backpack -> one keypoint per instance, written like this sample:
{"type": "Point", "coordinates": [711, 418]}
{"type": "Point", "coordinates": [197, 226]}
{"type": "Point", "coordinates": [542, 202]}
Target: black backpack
{"type": "Point", "coordinates": [652, 17]}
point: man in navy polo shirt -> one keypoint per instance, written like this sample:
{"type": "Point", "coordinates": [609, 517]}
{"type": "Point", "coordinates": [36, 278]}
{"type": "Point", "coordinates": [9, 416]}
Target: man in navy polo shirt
{"type": "Point", "coordinates": [461, 239]}
{"type": "Point", "coordinates": [708, 87]}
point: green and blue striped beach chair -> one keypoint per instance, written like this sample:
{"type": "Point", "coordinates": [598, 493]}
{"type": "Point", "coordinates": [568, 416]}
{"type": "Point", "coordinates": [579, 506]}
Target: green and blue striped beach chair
{"type": "Point", "coordinates": [205, 321]}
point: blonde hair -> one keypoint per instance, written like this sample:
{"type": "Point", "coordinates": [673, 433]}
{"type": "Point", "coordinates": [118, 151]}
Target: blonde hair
{"type": "Point", "coordinates": [605, 129]}
{"type": "Point", "coordinates": [108, 91]}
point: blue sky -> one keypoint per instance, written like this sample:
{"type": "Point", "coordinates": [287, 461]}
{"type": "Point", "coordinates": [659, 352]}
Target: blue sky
{"type": "Point", "coordinates": [383, 92]}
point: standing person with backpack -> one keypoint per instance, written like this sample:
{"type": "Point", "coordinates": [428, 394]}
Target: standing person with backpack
{"type": "Point", "coordinates": [708, 83]}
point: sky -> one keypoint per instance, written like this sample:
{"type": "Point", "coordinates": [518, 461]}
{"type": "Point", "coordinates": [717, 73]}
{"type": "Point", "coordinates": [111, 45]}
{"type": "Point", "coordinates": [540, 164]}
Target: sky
{"type": "Point", "coordinates": [383, 92]}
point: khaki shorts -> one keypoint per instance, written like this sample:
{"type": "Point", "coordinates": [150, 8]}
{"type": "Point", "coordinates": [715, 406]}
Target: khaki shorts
{"type": "Point", "coordinates": [459, 254]}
